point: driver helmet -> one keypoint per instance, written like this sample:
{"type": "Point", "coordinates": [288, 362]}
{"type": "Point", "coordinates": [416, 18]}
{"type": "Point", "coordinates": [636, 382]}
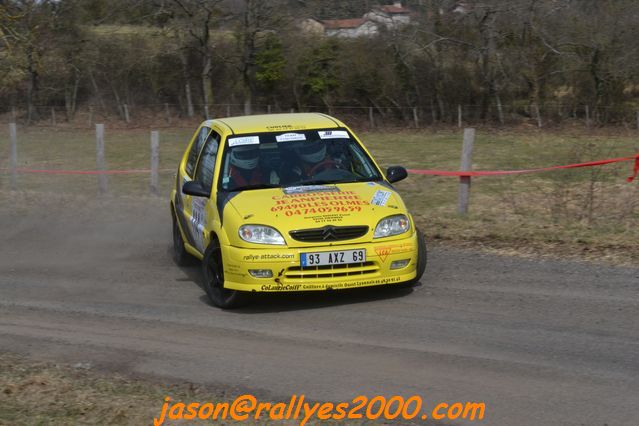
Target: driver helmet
{"type": "Point", "coordinates": [245, 157]}
{"type": "Point", "coordinates": [312, 152]}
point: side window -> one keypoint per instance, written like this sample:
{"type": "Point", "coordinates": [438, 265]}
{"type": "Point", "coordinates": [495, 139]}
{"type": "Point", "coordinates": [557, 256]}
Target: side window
{"type": "Point", "coordinates": [359, 165]}
{"type": "Point", "coordinates": [195, 150]}
{"type": "Point", "coordinates": [206, 165]}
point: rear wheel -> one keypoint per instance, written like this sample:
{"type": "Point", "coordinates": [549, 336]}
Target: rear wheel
{"type": "Point", "coordinates": [180, 255]}
{"type": "Point", "coordinates": [213, 273]}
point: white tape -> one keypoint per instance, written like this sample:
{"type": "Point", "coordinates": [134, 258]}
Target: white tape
{"type": "Point", "coordinates": [244, 140]}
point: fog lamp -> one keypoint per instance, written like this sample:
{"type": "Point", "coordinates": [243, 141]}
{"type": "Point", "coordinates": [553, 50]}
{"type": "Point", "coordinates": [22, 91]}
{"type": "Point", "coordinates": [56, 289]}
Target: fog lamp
{"type": "Point", "coordinates": [261, 273]}
{"type": "Point", "coordinates": [399, 264]}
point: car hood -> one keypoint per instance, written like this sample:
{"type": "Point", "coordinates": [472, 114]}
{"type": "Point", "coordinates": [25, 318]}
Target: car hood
{"type": "Point", "coordinates": [308, 207]}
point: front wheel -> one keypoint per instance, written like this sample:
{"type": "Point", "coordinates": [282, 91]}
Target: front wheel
{"type": "Point", "coordinates": [213, 273]}
{"type": "Point", "coordinates": [422, 255]}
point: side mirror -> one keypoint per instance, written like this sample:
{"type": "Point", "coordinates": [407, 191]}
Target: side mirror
{"type": "Point", "coordinates": [396, 173]}
{"type": "Point", "coordinates": [195, 188]}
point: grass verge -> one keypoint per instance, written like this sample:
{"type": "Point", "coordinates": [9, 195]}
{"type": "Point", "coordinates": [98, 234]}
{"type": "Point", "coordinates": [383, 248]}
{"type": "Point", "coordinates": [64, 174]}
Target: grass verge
{"type": "Point", "coordinates": [589, 213]}
{"type": "Point", "coordinates": [39, 393]}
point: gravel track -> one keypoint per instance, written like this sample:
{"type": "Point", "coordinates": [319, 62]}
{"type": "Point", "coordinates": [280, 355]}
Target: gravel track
{"type": "Point", "coordinates": [541, 342]}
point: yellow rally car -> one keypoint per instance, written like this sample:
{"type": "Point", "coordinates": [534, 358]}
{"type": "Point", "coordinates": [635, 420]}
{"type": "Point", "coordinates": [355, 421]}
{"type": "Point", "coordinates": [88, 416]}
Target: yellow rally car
{"type": "Point", "coordinates": [290, 202]}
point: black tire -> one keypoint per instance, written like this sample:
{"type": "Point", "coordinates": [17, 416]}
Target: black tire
{"type": "Point", "coordinates": [213, 274]}
{"type": "Point", "coordinates": [422, 257]}
{"type": "Point", "coordinates": [180, 255]}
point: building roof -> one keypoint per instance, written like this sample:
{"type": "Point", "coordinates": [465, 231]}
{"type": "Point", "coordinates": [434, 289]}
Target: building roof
{"type": "Point", "coordinates": [392, 9]}
{"type": "Point", "coordinates": [336, 24]}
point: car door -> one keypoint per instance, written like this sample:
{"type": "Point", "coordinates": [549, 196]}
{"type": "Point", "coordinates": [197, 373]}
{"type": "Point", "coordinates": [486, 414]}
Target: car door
{"type": "Point", "coordinates": [184, 202]}
{"type": "Point", "coordinates": [204, 174]}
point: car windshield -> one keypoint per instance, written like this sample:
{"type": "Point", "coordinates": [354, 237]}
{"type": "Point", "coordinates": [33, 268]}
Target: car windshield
{"type": "Point", "coordinates": [296, 158]}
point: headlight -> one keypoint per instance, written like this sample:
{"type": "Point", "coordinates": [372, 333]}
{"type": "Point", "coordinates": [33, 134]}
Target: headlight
{"type": "Point", "coordinates": [260, 234]}
{"type": "Point", "coordinates": [392, 225]}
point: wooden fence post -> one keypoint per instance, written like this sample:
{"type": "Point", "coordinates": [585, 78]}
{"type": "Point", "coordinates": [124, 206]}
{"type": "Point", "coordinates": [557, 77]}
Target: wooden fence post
{"type": "Point", "coordinates": [101, 163]}
{"type": "Point", "coordinates": [433, 113]}
{"type": "Point", "coordinates": [415, 118]}
{"type": "Point", "coordinates": [13, 114]}
{"type": "Point", "coordinates": [228, 110]}
{"type": "Point", "coordinates": [90, 116]}
{"type": "Point", "coordinates": [167, 112]}
{"type": "Point", "coordinates": [459, 116]}
{"type": "Point", "coordinates": [466, 164]}
{"type": "Point", "coordinates": [538, 115]}
{"type": "Point", "coordinates": [13, 155]}
{"type": "Point", "coordinates": [587, 116]}
{"type": "Point", "coordinates": [206, 111]}
{"type": "Point", "coordinates": [53, 116]}
{"type": "Point", "coordinates": [268, 109]}
{"type": "Point", "coordinates": [370, 117]}
{"type": "Point", "coordinates": [155, 161]}
{"type": "Point", "coordinates": [126, 113]}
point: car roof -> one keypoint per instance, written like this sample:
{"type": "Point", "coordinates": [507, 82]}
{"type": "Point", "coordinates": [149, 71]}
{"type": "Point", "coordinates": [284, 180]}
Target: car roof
{"type": "Point", "coordinates": [278, 122]}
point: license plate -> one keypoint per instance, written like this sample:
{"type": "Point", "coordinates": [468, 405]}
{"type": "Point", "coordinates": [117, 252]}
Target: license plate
{"type": "Point", "coordinates": [332, 257]}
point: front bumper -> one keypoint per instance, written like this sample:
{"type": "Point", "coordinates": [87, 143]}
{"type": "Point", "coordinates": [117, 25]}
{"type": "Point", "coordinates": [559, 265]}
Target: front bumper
{"type": "Point", "coordinates": [284, 262]}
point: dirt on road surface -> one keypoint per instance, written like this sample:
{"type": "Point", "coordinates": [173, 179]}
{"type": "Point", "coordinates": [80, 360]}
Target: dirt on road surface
{"type": "Point", "coordinates": [541, 342]}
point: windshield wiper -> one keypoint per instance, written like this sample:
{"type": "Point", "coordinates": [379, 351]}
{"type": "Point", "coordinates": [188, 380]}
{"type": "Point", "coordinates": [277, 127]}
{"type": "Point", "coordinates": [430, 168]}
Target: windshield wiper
{"type": "Point", "coordinates": [315, 182]}
{"type": "Point", "coordinates": [368, 179]}
{"type": "Point", "coordinates": [332, 182]}
{"type": "Point", "coordinates": [255, 186]}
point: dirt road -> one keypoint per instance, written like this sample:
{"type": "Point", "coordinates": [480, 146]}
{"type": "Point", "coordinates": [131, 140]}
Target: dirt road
{"type": "Point", "coordinates": [541, 342]}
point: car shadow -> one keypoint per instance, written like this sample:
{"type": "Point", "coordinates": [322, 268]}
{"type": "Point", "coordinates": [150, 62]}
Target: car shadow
{"type": "Point", "coordinates": [264, 303]}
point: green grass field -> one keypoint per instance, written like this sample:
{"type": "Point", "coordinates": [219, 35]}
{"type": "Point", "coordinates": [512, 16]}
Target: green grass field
{"type": "Point", "coordinates": [583, 213]}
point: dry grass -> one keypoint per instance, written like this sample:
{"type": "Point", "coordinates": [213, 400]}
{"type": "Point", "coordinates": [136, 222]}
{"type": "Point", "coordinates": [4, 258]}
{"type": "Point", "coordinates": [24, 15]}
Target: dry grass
{"type": "Point", "coordinates": [38, 393]}
{"type": "Point", "coordinates": [45, 393]}
{"type": "Point", "coordinates": [554, 213]}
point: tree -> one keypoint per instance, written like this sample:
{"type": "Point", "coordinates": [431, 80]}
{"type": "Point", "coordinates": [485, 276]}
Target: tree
{"type": "Point", "coordinates": [258, 21]}
{"type": "Point", "coordinates": [194, 20]}
{"type": "Point", "coordinates": [26, 26]}
{"type": "Point", "coordinates": [318, 72]}
{"type": "Point", "coordinates": [270, 64]}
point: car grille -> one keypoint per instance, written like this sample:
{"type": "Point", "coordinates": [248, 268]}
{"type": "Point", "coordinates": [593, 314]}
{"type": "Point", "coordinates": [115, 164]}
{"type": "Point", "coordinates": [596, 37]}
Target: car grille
{"type": "Point", "coordinates": [329, 233]}
{"type": "Point", "coordinates": [330, 271]}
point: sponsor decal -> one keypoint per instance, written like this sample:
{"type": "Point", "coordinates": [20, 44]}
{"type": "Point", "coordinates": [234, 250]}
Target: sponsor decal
{"type": "Point", "coordinates": [384, 251]}
{"type": "Point", "coordinates": [386, 280]}
{"type": "Point", "coordinates": [333, 134]}
{"type": "Point", "coordinates": [331, 286]}
{"type": "Point", "coordinates": [267, 256]}
{"type": "Point", "coordinates": [328, 218]}
{"type": "Point", "coordinates": [309, 188]}
{"type": "Point", "coordinates": [290, 137]}
{"type": "Point", "coordinates": [198, 221]}
{"type": "Point", "coordinates": [244, 140]}
{"type": "Point", "coordinates": [301, 204]}
{"type": "Point", "coordinates": [380, 197]}
{"type": "Point", "coordinates": [271, 287]}
{"type": "Point", "coordinates": [284, 127]}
